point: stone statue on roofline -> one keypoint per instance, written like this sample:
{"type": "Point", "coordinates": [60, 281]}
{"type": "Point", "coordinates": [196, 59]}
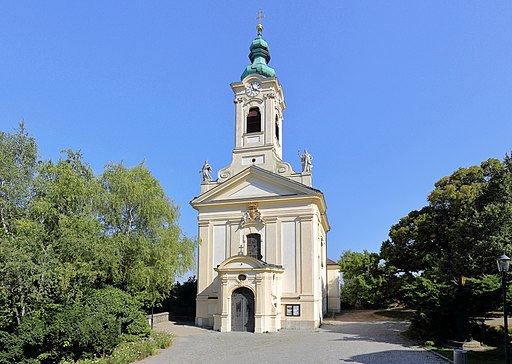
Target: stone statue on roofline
{"type": "Point", "coordinates": [307, 161]}
{"type": "Point", "coordinates": [206, 171]}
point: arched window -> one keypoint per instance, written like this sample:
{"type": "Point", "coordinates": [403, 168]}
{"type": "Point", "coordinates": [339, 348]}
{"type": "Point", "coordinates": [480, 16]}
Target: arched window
{"type": "Point", "coordinates": [254, 120]}
{"type": "Point", "coordinates": [277, 128]}
{"type": "Point", "coordinates": [254, 246]}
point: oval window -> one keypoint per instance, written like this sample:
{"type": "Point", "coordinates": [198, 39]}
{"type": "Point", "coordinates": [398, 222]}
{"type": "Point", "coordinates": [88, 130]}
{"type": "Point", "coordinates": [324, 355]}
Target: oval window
{"type": "Point", "coordinates": [242, 277]}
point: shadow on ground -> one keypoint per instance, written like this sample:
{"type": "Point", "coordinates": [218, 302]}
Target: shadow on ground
{"type": "Point", "coordinates": [382, 331]}
{"type": "Point", "coordinates": [390, 356]}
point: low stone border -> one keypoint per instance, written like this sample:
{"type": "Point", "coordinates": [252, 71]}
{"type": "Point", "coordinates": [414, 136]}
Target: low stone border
{"type": "Point", "coordinates": [158, 317]}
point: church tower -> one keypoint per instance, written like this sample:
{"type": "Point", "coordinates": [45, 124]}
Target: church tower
{"type": "Point", "coordinates": [259, 105]}
{"type": "Point", "coordinates": [262, 227]}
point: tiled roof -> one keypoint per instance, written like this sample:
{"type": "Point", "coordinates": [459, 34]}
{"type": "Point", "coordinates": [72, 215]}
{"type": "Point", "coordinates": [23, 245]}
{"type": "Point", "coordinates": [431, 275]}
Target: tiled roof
{"type": "Point", "coordinates": [331, 262]}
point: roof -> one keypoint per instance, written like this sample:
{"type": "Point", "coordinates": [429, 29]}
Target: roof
{"type": "Point", "coordinates": [260, 57]}
{"type": "Point", "coordinates": [274, 188]}
{"type": "Point", "coordinates": [255, 170]}
{"type": "Point", "coordinates": [330, 262]}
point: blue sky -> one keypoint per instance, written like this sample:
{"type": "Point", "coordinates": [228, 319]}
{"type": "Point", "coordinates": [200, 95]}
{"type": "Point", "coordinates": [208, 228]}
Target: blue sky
{"type": "Point", "coordinates": [388, 96]}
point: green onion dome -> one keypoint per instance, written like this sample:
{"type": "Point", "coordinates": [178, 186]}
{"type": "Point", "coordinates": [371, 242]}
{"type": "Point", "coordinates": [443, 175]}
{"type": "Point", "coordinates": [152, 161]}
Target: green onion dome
{"type": "Point", "coordinates": [260, 57]}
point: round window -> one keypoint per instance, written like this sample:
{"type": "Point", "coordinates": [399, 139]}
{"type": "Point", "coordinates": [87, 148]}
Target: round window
{"type": "Point", "coordinates": [242, 277]}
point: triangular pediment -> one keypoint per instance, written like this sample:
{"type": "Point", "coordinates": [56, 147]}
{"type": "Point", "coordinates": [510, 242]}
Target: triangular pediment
{"type": "Point", "coordinates": [254, 187]}
{"type": "Point", "coordinates": [254, 183]}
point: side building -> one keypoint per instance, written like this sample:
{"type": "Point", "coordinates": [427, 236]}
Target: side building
{"type": "Point", "coordinates": [262, 262]}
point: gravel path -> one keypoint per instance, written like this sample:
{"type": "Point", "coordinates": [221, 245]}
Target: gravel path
{"type": "Point", "coordinates": [338, 342]}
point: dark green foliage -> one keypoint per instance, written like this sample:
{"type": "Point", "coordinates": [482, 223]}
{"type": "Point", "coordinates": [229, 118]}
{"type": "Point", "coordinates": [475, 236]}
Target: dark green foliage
{"type": "Point", "coordinates": [491, 335]}
{"type": "Point", "coordinates": [120, 306]}
{"type": "Point", "coordinates": [95, 325]}
{"type": "Point", "coordinates": [449, 310]}
{"type": "Point", "coordinates": [182, 300]}
{"type": "Point", "coordinates": [444, 255]}
{"type": "Point", "coordinates": [482, 294]}
{"type": "Point", "coordinates": [129, 352]}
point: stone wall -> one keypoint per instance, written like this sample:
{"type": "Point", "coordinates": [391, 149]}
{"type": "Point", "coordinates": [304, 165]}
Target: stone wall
{"type": "Point", "coordinates": [158, 317]}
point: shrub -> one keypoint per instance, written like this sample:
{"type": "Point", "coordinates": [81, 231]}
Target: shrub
{"type": "Point", "coordinates": [182, 299]}
{"type": "Point", "coordinates": [129, 352]}
{"type": "Point", "coordinates": [94, 326]}
{"type": "Point", "coordinates": [162, 339]}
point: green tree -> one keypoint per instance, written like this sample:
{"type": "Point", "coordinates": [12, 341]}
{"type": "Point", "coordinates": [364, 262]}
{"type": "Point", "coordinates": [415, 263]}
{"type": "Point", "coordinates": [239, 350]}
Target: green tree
{"type": "Point", "coordinates": [364, 279]}
{"type": "Point", "coordinates": [451, 241]}
{"type": "Point", "coordinates": [66, 235]}
{"type": "Point", "coordinates": [18, 155]}
{"type": "Point", "coordinates": [182, 299]}
{"type": "Point", "coordinates": [140, 224]}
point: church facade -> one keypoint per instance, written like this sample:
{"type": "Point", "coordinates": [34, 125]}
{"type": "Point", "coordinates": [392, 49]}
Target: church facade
{"type": "Point", "coordinates": [262, 262]}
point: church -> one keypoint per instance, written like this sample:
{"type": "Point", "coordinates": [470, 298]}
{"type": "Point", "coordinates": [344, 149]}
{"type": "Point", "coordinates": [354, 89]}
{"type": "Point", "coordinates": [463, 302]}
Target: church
{"type": "Point", "coordinates": [262, 227]}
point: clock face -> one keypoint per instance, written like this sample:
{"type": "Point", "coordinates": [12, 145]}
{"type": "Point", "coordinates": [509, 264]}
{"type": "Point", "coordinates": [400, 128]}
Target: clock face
{"type": "Point", "coordinates": [253, 88]}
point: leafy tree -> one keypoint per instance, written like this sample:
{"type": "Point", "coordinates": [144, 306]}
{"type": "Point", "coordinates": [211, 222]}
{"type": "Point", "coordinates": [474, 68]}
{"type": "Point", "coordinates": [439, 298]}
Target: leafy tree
{"type": "Point", "coordinates": [140, 223]}
{"type": "Point", "coordinates": [18, 155]}
{"type": "Point", "coordinates": [74, 245]}
{"type": "Point", "coordinates": [364, 280]}
{"type": "Point", "coordinates": [53, 255]}
{"type": "Point", "coordinates": [447, 249]}
{"type": "Point", "coordinates": [182, 300]}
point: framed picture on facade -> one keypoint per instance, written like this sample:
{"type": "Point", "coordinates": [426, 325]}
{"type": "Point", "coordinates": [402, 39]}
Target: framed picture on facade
{"type": "Point", "coordinates": [296, 310]}
{"type": "Point", "coordinates": [289, 310]}
{"type": "Point", "coordinates": [292, 310]}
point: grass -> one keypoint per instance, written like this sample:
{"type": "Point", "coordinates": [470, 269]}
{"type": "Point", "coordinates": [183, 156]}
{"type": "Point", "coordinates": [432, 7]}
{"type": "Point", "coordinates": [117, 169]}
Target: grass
{"type": "Point", "coordinates": [129, 352]}
{"type": "Point", "coordinates": [491, 355]}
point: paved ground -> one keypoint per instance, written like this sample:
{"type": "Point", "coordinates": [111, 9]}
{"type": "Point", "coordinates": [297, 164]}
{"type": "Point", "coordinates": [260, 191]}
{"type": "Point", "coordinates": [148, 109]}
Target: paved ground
{"type": "Point", "coordinates": [368, 342]}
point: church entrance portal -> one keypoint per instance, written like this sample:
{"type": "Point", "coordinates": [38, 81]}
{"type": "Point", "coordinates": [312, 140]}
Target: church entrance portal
{"type": "Point", "coordinates": [242, 310]}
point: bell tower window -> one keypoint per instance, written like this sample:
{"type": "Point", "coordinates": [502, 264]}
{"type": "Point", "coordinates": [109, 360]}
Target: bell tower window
{"type": "Point", "coordinates": [277, 128]}
{"type": "Point", "coordinates": [254, 246]}
{"type": "Point", "coordinates": [254, 120]}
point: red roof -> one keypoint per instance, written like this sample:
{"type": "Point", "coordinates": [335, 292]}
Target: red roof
{"type": "Point", "coordinates": [331, 262]}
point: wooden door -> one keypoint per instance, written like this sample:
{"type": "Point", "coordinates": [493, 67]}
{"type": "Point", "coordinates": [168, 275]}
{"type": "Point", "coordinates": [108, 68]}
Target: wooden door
{"type": "Point", "coordinates": [242, 310]}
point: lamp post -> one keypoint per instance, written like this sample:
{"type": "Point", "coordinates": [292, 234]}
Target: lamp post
{"type": "Point", "coordinates": [503, 265]}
